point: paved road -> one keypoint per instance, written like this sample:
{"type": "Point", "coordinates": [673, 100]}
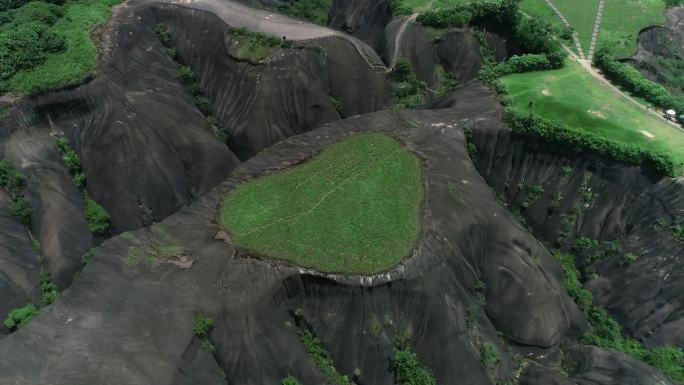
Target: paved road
{"type": "Point", "coordinates": [236, 14]}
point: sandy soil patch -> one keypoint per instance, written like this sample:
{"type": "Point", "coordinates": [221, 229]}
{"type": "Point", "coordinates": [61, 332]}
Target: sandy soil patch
{"type": "Point", "coordinates": [647, 134]}
{"type": "Point", "coordinates": [598, 114]}
{"type": "Point", "coordinates": [545, 92]}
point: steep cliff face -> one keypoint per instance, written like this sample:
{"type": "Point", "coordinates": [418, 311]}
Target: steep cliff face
{"type": "Point", "coordinates": [605, 201]}
{"type": "Point", "coordinates": [259, 105]}
{"type": "Point", "coordinates": [661, 52]}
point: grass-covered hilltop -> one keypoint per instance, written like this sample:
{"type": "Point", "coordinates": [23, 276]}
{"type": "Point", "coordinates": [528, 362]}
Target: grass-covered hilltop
{"type": "Point", "coordinates": [354, 208]}
{"type": "Point", "coordinates": [46, 45]}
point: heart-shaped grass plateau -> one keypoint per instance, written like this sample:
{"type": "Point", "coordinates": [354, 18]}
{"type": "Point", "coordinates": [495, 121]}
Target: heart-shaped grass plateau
{"type": "Point", "coordinates": [355, 208]}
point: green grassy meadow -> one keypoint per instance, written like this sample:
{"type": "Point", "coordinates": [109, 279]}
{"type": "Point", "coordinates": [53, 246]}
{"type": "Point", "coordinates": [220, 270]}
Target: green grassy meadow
{"type": "Point", "coordinates": [573, 96]}
{"type": "Point", "coordinates": [77, 61]}
{"type": "Point", "coordinates": [581, 14]}
{"type": "Point", "coordinates": [354, 208]}
{"type": "Point", "coordinates": [622, 21]}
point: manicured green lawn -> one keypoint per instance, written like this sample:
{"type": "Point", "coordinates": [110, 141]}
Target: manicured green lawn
{"type": "Point", "coordinates": [354, 208]}
{"type": "Point", "coordinates": [622, 21]}
{"type": "Point", "coordinates": [78, 61]}
{"type": "Point", "coordinates": [581, 14]}
{"type": "Point", "coordinates": [573, 96]}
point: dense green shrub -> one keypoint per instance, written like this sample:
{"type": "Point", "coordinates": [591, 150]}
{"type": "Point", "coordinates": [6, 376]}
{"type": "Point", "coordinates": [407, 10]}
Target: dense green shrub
{"type": "Point", "coordinates": [312, 10]}
{"type": "Point", "coordinates": [290, 380]}
{"type": "Point", "coordinates": [549, 131]}
{"type": "Point", "coordinates": [10, 179]}
{"type": "Point", "coordinates": [628, 259]}
{"type": "Point", "coordinates": [489, 355]}
{"type": "Point", "coordinates": [408, 370]}
{"type": "Point", "coordinates": [203, 104]}
{"type": "Point", "coordinates": [20, 317]}
{"type": "Point", "coordinates": [163, 33]}
{"type": "Point", "coordinates": [258, 37]}
{"type": "Point", "coordinates": [25, 38]}
{"type": "Point", "coordinates": [678, 231]}
{"type": "Point", "coordinates": [322, 358]}
{"type": "Point", "coordinates": [607, 332]}
{"type": "Point", "coordinates": [79, 180]}
{"type": "Point", "coordinates": [408, 90]}
{"type": "Point", "coordinates": [193, 89]}
{"type": "Point", "coordinates": [203, 325]}
{"type": "Point", "coordinates": [88, 256]}
{"type": "Point", "coordinates": [185, 74]}
{"type": "Point", "coordinates": [446, 81]}
{"type": "Point", "coordinates": [504, 12]}
{"type": "Point", "coordinates": [97, 217]}
{"type": "Point", "coordinates": [631, 79]}
{"type": "Point", "coordinates": [582, 244]}
{"type": "Point", "coordinates": [21, 209]}
{"type": "Point", "coordinates": [49, 289]}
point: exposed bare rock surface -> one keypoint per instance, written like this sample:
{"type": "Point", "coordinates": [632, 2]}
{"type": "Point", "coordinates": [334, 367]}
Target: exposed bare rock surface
{"type": "Point", "coordinates": [464, 240]}
{"type": "Point", "coordinates": [625, 206]}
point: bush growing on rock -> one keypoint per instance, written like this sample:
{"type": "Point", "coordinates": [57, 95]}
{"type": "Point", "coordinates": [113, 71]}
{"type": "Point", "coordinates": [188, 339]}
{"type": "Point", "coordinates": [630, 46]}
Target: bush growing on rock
{"type": "Point", "coordinates": [290, 380]}
{"type": "Point", "coordinates": [20, 317]}
{"type": "Point", "coordinates": [185, 74]}
{"type": "Point", "coordinates": [21, 209]}
{"type": "Point", "coordinates": [203, 104]}
{"type": "Point", "coordinates": [408, 370]}
{"type": "Point", "coordinates": [489, 355]}
{"type": "Point", "coordinates": [97, 217]}
{"type": "Point", "coordinates": [203, 325]}
{"type": "Point", "coordinates": [10, 179]}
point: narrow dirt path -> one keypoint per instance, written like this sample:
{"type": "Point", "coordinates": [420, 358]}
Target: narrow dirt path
{"type": "Point", "coordinates": [566, 23]}
{"type": "Point", "coordinates": [597, 29]}
{"type": "Point", "coordinates": [397, 39]}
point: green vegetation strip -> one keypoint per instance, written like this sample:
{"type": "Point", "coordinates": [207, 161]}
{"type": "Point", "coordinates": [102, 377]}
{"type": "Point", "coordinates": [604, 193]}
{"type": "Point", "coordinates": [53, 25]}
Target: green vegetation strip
{"type": "Point", "coordinates": [316, 11]}
{"type": "Point", "coordinates": [322, 358]}
{"type": "Point", "coordinates": [574, 97]}
{"type": "Point", "coordinates": [607, 332]}
{"type": "Point", "coordinates": [256, 46]}
{"type": "Point", "coordinates": [354, 208]}
{"type": "Point", "coordinates": [98, 218]}
{"type": "Point", "coordinates": [14, 183]}
{"type": "Point", "coordinates": [409, 371]}
{"type": "Point", "coordinates": [48, 46]}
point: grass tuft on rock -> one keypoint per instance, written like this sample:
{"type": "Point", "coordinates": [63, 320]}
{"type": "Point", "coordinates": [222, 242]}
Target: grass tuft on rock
{"type": "Point", "coordinates": [354, 208]}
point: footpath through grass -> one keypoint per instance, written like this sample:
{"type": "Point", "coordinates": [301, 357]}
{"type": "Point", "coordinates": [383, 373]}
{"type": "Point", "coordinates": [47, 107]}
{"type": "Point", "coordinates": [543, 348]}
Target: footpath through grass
{"type": "Point", "coordinates": [354, 208]}
{"type": "Point", "coordinates": [581, 14]}
{"type": "Point", "coordinates": [574, 97]}
{"type": "Point", "coordinates": [70, 64]}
